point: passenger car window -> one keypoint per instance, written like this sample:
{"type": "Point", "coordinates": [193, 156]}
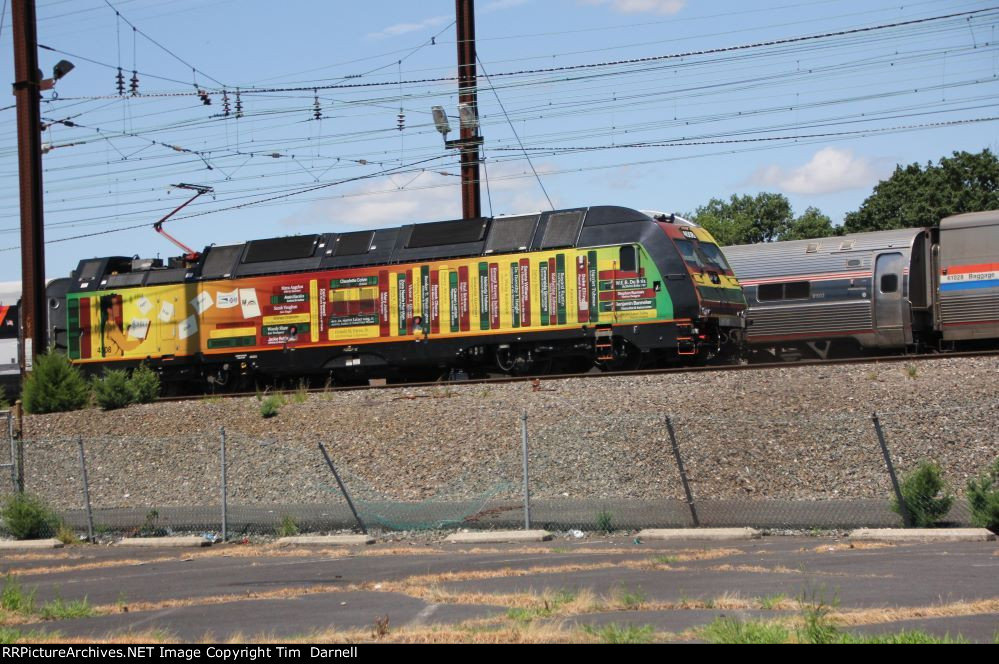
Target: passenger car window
{"type": "Point", "coordinates": [889, 283]}
{"type": "Point", "coordinates": [793, 290]}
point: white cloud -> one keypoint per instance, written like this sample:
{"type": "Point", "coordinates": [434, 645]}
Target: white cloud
{"type": "Point", "coordinates": [499, 5]}
{"type": "Point", "coordinates": [664, 7]}
{"type": "Point", "coordinates": [830, 170]}
{"type": "Point", "coordinates": [402, 28]}
{"type": "Point", "coordinates": [430, 197]}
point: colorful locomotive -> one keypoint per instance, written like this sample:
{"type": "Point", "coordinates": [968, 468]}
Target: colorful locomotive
{"type": "Point", "coordinates": [564, 290]}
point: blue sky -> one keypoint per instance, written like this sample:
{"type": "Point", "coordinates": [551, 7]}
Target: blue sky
{"type": "Point", "coordinates": [819, 119]}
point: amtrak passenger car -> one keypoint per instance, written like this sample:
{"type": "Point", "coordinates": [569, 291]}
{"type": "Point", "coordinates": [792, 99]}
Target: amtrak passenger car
{"type": "Point", "coordinates": [907, 289]}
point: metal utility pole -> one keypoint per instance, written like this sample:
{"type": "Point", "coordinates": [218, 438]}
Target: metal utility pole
{"type": "Point", "coordinates": [27, 86]}
{"type": "Point", "coordinates": [471, 205]}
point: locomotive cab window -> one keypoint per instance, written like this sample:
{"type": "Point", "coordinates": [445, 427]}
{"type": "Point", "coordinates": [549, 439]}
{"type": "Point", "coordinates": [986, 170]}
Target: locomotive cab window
{"type": "Point", "coordinates": [690, 256]}
{"type": "Point", "coordinates": [629, 259]}
{"type": "Point", "coordinates": [889, 283]}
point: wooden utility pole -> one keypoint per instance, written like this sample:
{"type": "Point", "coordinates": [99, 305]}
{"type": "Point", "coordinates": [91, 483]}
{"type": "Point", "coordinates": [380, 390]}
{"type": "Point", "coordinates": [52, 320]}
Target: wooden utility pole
{"type": "Point", "coordinates": [471, 204]}
{"type": "Point", "coordinates": [27, 87]}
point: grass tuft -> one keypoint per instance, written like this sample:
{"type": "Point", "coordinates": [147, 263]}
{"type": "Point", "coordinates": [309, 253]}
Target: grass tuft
{"type": "Point", "coordinates": [614, 633]}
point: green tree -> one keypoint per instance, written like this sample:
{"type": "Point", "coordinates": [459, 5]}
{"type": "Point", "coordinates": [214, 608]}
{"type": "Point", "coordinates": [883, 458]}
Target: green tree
{"type": "Point", "coordinates": [917, 196]}
{"type": "Point", "coordinates": [811, 224]}
{"type": "Point", "coordinates": [54, 386]}
{"type": "Point", "coordinates": [766, 217]}
{"type": "Point", "coordinates": [746, 219]}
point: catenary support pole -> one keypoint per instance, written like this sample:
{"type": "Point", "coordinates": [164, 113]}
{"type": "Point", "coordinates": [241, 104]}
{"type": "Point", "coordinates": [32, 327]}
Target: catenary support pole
{"type": "Point", "coordinates": [86, 491]}
{"type": "Point", "coordinates": [471, 204]}
{"type": "Point", "coordinates": [683, 472]}
{"type": "Point", "coordinates": [903, 508]}
{"type": "Point", "coordinates": [527, 486]}
{"type": "Point", "coordinates": [27, 88]}
{"type": "Point", "coordinates": [343, 490]}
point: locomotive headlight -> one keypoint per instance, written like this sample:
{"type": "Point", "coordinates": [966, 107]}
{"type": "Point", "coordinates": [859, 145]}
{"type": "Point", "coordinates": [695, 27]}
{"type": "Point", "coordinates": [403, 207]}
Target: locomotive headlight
{"type": "Point", "coordinates": [705, 311]}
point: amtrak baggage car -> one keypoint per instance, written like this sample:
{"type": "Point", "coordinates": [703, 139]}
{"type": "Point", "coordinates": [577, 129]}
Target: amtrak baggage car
{"type": "Point", "coordinates": [900, 289]}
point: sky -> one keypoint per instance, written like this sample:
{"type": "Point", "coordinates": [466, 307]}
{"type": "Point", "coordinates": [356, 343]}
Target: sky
{"type": "Point", "coordinates": [650, 104]}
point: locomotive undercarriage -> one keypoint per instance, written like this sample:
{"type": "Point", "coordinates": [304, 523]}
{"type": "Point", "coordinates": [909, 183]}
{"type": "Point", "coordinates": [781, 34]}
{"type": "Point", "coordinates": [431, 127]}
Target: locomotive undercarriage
{"type": "Point", "coordinates": [600, 348]}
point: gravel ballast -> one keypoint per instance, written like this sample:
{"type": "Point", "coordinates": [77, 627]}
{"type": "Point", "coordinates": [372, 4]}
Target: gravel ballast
{"type": "Point", "coordinates": [793, 433]}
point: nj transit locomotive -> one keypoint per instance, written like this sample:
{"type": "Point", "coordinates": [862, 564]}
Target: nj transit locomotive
{"type": "Point", "coordinates": [562, 290]}
{"type": "Point", "coordinates": [910, 289]}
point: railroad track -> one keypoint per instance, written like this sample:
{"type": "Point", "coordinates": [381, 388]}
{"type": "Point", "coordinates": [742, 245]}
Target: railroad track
{"type": "Point", "coordinates": [611, 374]}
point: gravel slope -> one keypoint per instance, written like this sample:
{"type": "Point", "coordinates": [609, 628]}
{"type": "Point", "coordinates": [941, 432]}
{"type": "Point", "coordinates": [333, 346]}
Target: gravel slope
{"type": "Point", "coordinates": [794, 432]}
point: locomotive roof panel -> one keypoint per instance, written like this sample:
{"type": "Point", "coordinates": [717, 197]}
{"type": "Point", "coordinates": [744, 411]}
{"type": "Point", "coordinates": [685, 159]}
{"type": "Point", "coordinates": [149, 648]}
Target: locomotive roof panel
{"type": "Point", "coordinates": [818, 256]}
{"type": "Point", "coordinates": [556, 229]}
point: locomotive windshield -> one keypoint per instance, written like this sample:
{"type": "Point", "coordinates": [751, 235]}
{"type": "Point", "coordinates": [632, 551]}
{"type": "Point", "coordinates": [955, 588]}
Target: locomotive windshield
{"type": "Point", "coordinates": [714, 256]}
{"type": "Point", "coordinates": [702, 255]}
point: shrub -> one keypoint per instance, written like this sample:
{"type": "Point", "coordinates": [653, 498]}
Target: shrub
{"type": "Point", "coordinates": [4, 404]}
{"type": "Point", "coordinates": [54, 386]}
{"type": "Point", "coordinates": [925, 494]}
{"type": "Point", "coordinates": [605, 521]}
{"type": "Point", "coordinates": [270, 405]}
{"type": "Point", "coordinates": [983, 498]}
{"type": "Point", "coordinates": [288, 527]}
{"type": "Point", "coordinates": [28, 517]}
{"type": "Point", "coordinates": [114, 390]}
{"type": "Point", "coordinates": [145, 384]}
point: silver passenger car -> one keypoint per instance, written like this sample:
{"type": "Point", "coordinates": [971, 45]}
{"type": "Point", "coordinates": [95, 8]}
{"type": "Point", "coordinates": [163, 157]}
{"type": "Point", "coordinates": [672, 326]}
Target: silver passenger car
{"type": "Point", "coordinates": [900, 289]}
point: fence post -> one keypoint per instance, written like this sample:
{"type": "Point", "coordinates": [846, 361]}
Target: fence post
{"type": "Point", "coordinates": [343, 489]}
{"type": "Point", "coordinates": [683, 473]}
{"type": "Point", "coordinates": [527, 488]}
{"type": "Point", "coordinates": [903, 508]}
{"type": "Point", "coordinates": [225, 493]}
{"type": "Point", "coordinates": [86, 491]}
{"type": "Point", "coordinates": [19, 445]}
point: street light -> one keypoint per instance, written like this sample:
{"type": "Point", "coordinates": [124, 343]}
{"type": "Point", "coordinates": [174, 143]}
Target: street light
{"type": "Point", "coordinates": [61, 68]}
{"type": "Point", "coordinates": [440, 120]}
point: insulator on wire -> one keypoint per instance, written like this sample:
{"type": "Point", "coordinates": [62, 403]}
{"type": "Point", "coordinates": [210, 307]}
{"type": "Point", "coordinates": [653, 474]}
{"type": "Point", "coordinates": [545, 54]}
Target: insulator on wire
{"type": "Point", "coordinates": [133, 83]}
{"type": "Point", "coordinates": [225, 104]}
{"type": "Point", "coordinates": [205, 99]}
{"type": "Point", "coordinates": [119, 80]}
{"type": "Point", "coordinates": [239, 106]}
{"type": "Point", "coordinates": [317, 110]}
{"type": "Point", "coordinates": [400, 120]}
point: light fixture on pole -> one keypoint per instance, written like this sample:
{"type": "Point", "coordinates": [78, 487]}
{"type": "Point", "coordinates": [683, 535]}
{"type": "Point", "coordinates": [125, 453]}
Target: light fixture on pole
{"type": "Point", "coordinates": [61, 68]}
{"type": "Point", "coordinates": [469, 120]}
{"type": "Point", "coordinates": [440, 120]}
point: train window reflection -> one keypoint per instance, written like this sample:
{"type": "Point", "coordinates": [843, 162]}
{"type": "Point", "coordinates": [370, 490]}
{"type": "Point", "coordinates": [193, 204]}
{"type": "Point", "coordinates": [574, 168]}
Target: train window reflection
{"type": "Point", "coordinates": [686, 248]}
{"type": "Point", "coordinates": [889, 283]}
{"type": "Point", "coordinates": [794, 290]}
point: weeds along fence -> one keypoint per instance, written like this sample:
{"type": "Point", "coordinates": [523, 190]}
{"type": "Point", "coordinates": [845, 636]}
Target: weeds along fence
{"type": "Point", "coordinates": [584, 471]}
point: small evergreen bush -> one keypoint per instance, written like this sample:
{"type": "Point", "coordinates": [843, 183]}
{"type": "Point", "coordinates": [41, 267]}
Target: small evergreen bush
{"type": "Point", "coordinates": [926, 495]}
{"type": "Point", "coordinates": [54, 386]}
{"type": "Point", "coordinates": [270, 405]}
{"type": "Point", "coordinates": [113, 390]}
{"type": "Point", "coordinates": [983, 498]}
{"type": "Point", "coordinates": [28, 517]}
{"type": "Point", "coordinates": [145, 384]}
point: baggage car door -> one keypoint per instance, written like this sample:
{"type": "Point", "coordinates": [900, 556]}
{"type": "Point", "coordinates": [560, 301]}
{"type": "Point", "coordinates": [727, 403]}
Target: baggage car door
{"type": "Point", "coordinates": [889, 303]}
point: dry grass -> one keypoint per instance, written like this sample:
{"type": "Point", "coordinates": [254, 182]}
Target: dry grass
{"type": "Point", "coordinates": [137, 638]}
{"type": "Point", "coordinates": [103, 564]}
{"type": "Point", "coordinates": [889, 615]}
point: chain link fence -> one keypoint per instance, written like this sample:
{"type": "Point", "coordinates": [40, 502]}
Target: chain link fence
{"type": "Point", "coordinates": [586, 471]}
